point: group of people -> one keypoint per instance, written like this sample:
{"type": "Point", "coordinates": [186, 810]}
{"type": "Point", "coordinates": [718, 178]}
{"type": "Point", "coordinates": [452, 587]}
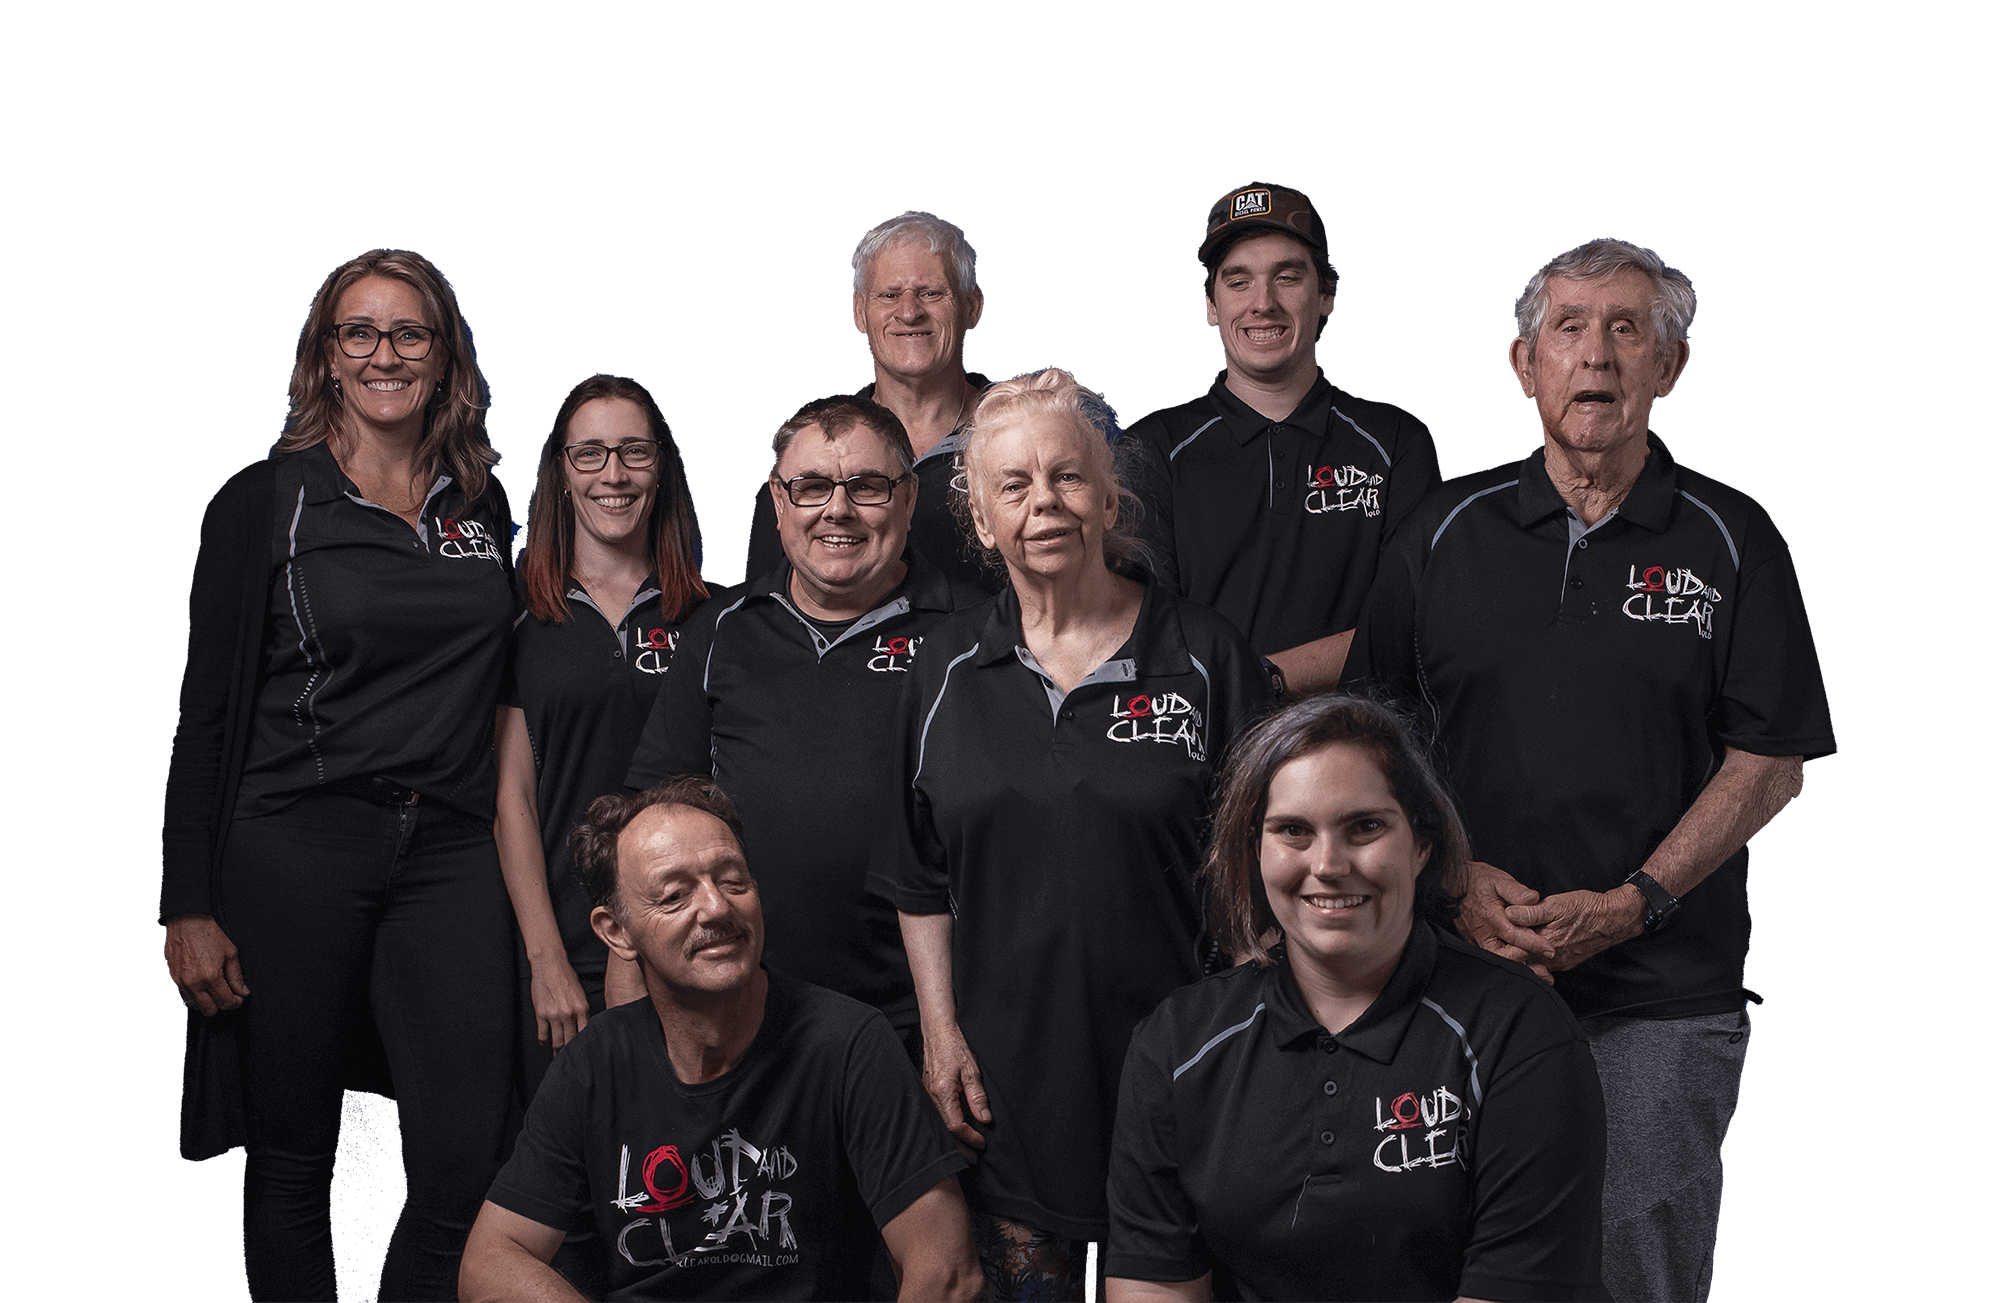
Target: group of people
{"type": "Point", "coordinates": [1206, 839]}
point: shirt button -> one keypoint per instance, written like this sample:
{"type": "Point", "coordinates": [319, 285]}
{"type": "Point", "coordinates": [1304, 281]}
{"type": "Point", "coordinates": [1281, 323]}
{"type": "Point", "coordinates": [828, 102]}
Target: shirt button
{"type": "Point", "coordinates": [1281, 486]}
{"type": "Point", "coordinates": [1326, 1137]}
{"type": "Point", "coordinates": [1576, 583]}
{"type": "Point", "coordinates": [1333, 1088]}
{"type": "Point", "coordinates": [1583, 542]}
{"type": "Point", "coordinates": [1069, 712]}
{"type": "Point", "coordinates": [1328, 1044]}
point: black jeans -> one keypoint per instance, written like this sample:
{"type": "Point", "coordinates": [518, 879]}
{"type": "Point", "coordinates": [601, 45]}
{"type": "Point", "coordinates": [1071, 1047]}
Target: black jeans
{"type": "Point", "coordinates": [344, 909]}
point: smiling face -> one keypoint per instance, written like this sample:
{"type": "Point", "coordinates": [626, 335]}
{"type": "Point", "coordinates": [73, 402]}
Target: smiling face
{"type": "Point", "coordinates": [1340, 862]}
{"type": "Point", "coordinates": [844, 557]}
{"type": "Point", "coordinates": [914, 319]}
{"type": "Point", "coordinates": [688, 911]}
{"type": "Point", "coordinates": [612, 503]}
{"type": "Point", "coordinates": [1042, 492]}
{"type": "Point", "coordinates": [1267, 304]}
{"type": "Point", "coordinates": [382, 393]}
{"type": "Point", "coordinates": [1598, 366]}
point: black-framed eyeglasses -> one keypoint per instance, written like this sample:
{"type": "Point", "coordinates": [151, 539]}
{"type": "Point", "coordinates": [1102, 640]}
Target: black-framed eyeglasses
{"type": "Point", "coordinates": [637, 454]}
{"type": "Point", "coordinates": [862, 490]}
{"type": "Point", "coordinates": [358, 339]}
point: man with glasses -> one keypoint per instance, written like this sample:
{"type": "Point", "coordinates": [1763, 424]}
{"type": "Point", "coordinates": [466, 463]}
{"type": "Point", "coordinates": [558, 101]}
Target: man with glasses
{"type": "Point", "coordinates": [786, 692]}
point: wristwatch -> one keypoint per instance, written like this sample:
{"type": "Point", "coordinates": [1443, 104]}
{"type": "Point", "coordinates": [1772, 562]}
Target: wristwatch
{"type": "Point", "coordinates": [1660, 906]}
{"type": "Point", "coordinates": [1277, 677]}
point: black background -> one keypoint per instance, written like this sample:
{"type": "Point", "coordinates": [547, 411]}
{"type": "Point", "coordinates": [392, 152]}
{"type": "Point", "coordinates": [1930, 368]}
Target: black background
{"type": "Point", "coordinates": [727, 292]}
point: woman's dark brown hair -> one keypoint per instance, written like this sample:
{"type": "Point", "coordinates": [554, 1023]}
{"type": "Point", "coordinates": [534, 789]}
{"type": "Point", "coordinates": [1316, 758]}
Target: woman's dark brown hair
{"type": "Point", "coordinates": [672, 534]}
{"type": "Point", "coordinates": [1238, 909]}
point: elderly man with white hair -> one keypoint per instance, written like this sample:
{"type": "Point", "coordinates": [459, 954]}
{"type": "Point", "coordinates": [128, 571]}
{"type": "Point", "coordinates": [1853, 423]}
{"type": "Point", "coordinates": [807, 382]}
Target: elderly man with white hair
{"type": "Point", "coordinates": [1615, 655]}
{"type": "Point", "coordinates": [916, 294]}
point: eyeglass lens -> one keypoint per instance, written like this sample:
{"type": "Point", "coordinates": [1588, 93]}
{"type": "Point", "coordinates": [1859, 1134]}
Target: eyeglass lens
{"type": "Point", "coordinates": [357, 339]}
{"type": "Point", "coordinates": [637, 454]}
{"type": "Point", "coordinates": [862, 490]}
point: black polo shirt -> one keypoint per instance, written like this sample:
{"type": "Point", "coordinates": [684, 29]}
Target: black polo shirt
{"type": "Point", "coordinates": [1450, 1142]}
{"type": "Point", "coordinates": [383, 644]}
{"type": "Point", "coordinates": [1062, 833]}
{"type": "Point", "coordinates": [1277, 524]}
{"type": "Point", "coordinates": [1585, 685]}
{"type": "Point", "coordinates": [934, 528]}
{"type": "Point", "coordinates": [586, 686]}
{"type": "Point", "coordinates": [798, 728]}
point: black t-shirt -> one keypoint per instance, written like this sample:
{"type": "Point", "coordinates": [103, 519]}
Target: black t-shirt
{"type": "Point", "coordinates": [1450, 1142]}
{"type": "Point", "coordinates": [586, 687]}
{"type": "Point", "coordinates": [1062, 833]}
{"type": "Point", "coordinates": [798, 728]}
{"type": "Point", "coordinates": [769, 1182]}
{"type": "Point", "coordinates": [1585, 685]}
{"type": "Point", "coordinates": [383, 645]}
{"type": "Point", "coordinates": [1277, 524]}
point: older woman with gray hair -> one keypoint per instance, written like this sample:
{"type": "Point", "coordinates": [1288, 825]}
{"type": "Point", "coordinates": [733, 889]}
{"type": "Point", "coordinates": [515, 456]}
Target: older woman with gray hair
{"type": "Point", "coordinates": [1059, 748]}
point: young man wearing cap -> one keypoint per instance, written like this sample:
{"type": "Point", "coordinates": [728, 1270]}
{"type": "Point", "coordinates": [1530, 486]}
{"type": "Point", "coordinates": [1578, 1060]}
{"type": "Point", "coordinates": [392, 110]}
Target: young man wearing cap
{"type": "Point", "coordinates": [1269, 496]}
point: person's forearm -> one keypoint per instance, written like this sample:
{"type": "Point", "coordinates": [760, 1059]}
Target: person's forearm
{"type": "Point", "coordinates": [1745, 794]}
{"type": "Point", "coordinates": [927, 942]}
{"type": "Point", "coordinates": [517, 836]}
{"type": "Point", "coordinates": [1313, 667]}
{"type": "Point", "coordinates": [507, 1273]}
{"type": "Point", "coordinates": [943, 1276]}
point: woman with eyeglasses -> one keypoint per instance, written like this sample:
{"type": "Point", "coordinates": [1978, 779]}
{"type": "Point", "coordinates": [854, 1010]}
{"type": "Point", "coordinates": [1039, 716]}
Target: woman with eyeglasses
{"type": "Point", "coordinates": [334, 908]}
{"type": "Point", "coordinates": [1059, 746]}
{"type": "Point", "coordinates": [1366, 1107]}
{"type": "Point", "coordinates": [609, 572]}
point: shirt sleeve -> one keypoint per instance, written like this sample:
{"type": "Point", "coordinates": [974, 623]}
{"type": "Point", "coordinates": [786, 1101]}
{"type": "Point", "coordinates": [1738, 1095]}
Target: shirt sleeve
{"type": "Point", "coordinates": [766, 549]}
{"type": "Point", "coordinates": [1242, 693]}
{"type": "Point", "coordinates": [907, 862]}
{"type": "Point", "coordinates": [547, 1180]}
{"type": "Point", "coordinates": [1773, 701]}
{"type": "Point", "coordinates": [676, 737]}
{"type": "Point", "coordinates": [226, 564]}
{"type": "Point", "coordinates": [1154, 487]}
{"type": "Point", "coordinates": [1414, 474]}
{"type": "Point", "coordinates": [1383, 655]}
{"type": "Point", "coordinates": [1538, 1182]}
{"type": "Point", "coordinates": [1153, 1222]}
{"type": "Point", "coordinates": [896, 1142]}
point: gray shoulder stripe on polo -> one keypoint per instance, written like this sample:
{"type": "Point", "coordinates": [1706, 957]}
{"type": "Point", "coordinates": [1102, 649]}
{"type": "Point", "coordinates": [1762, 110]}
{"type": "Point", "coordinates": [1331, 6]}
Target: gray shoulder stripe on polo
{"type": "Point", "coordinates": [1453, 513]}
{"type": "Point", "coordinates": [709, 665]}
{"type": "Point", "coordinates": [924, 737]}
{"type": "Point", "coordinates": [1734, 559]}
{"type": "Point", "coordinates": [1208, 689]}
{"type": "Point", "coordinates": [1190, 439]}
{"type": "Point", "coordinates": [1478, 1095]}
{"type": "Point", "coordinates": [1218, 1039]}
{"type": "Point", "coordinates": [1364, 434]}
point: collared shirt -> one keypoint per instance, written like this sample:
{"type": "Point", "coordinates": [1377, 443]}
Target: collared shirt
{"type": "Point", "coordinates": [383, 644]}
{"type": "Point", "coordinates": [1061, 831]}
{"type": "Point", "coordinates": [1585, 685]}
{"type": "Point", "coordinates": [585, 686]}
{"type": "Point", "coordinates": [799, 728]}
{"type": "Point", "coordinates": [1277, 524]}
{"type": "Point", "coordinates": [1449, 1142]}
{"type": "Point", "coordinates": [934, 529]}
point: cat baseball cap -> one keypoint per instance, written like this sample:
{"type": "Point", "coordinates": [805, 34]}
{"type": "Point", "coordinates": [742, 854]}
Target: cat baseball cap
{"type": "Point", "coordinates": [1260, 205]}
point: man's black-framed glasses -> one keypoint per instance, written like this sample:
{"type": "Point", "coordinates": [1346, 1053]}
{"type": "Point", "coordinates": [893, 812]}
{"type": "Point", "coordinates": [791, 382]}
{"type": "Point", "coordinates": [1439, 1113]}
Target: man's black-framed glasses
{"type": "Point", "coordinates": [862, 490]}
{"type": "Point", "coordinates": [637, 454]}
{"type": "Point", "coordinates": [359, 339]}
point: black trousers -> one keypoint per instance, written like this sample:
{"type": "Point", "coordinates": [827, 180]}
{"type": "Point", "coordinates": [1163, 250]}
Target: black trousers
{"type": "Point", "coordinates": [343, 909]}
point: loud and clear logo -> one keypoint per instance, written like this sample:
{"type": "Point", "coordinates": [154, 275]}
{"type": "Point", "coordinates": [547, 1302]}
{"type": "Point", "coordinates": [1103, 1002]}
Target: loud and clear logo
{"type": "Point", "coordinates": [464, 538]}
{"type": "Point", "coordinates": [1672, 595]}
{"type": "Point", "coordinates": [1251, 203]}
{"type": "Point", "coordinates": [653, 649]}
{"type": "Point", "coordinates": [729, 1204]}
{"type": "Point", "coordinates": [1438, 1114]}
{"type": "Point", "coordinates": [893, 655]}
{"type": "Point", "coordinates": [1169, 717]}
{"type": "Point", "coordinates": [1342, 488]}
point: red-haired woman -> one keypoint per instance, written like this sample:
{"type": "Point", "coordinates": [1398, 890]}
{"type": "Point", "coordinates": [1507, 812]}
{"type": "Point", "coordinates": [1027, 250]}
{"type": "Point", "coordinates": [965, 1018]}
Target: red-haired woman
{"type": "Point", "coordinates": [331, 893]}
{"type": "Point", "coordinates": [608, 574]}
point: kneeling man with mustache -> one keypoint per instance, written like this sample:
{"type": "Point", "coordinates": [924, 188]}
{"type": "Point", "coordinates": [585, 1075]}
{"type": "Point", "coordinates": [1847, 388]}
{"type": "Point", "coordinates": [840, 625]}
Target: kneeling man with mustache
{"type": "Point", "coordinates": [739, 1134]}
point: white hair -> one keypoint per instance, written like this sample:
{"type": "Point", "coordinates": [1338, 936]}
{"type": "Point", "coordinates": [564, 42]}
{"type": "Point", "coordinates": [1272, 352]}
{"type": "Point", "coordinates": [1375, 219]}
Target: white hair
{"type": "Point", "coordinates": [941, 237]}
{"type": "Point", "coordinates": [1673, 292]}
